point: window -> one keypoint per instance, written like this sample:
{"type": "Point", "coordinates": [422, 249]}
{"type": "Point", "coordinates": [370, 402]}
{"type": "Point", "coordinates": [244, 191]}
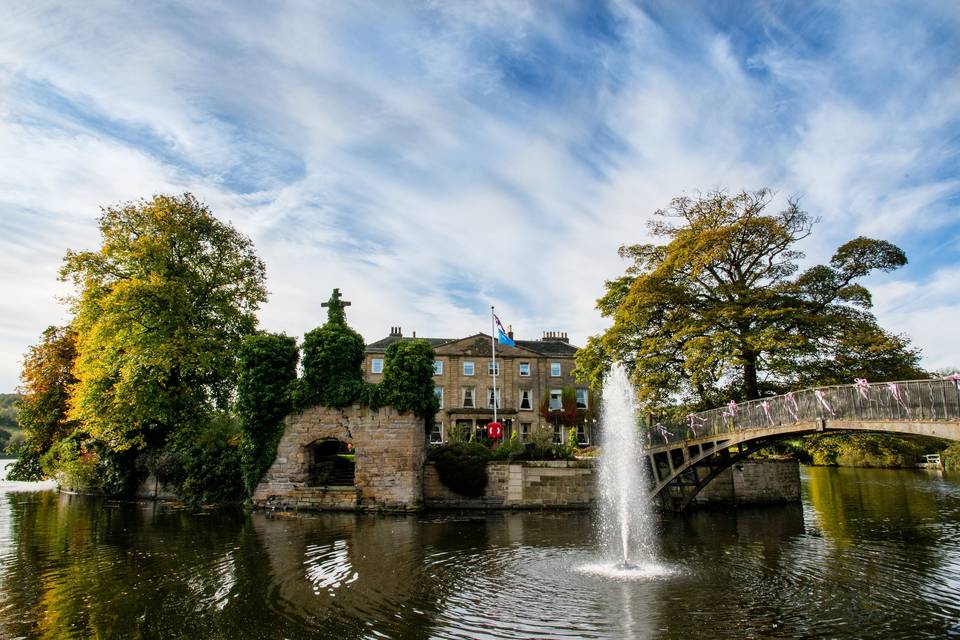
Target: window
{"type": "Point", "coordinates": [557, 434]}
{"type": "Point", "coordinates": [490, 398]}
{"type": "Point", "coordinates": [481, 430]}
{"type": "Point", "coordinates": [524, 369]}
{"type": "Point", "coordinates": [376, 365]}
{"type": "Point", "coordinates": [581, 398]}
{"type": "Point", "coordinates": [438, 391]}
{"type": "Point", "coordinates": [526, 402]}
{"type": "Point", "coordinates": [467, 397]}
{"type": "Point", "coordinates": [493, 369]}
{"type": "Point", "coordinates": [467, 368]}
{"type": "Point", "coordinates": [438, 367]}
{"type": "Point", "coordinates": [554, 369]}
{"type": "Point", "coordinates": [436, 433]}
{"type": "Point", "coordinates": [524, 431]}
{"type": "Point", "coordinates": [556, 399]}
{"type": "Point", "coordinates": [582, 435]}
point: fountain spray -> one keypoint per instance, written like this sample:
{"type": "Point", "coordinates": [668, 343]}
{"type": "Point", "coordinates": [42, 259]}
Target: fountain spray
{"type": "Point", "coordinates": [626, 523]}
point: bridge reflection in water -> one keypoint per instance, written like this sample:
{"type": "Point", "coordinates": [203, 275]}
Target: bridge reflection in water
{"type": "Point", "coordinates": [683, 458]}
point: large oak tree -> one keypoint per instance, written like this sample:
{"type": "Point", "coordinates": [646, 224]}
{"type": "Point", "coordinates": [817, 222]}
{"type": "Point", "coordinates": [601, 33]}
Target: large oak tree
{"type": "Point", "coordinates": [160, 313]}
{"type": "Point", "coordinates": [720, 309]}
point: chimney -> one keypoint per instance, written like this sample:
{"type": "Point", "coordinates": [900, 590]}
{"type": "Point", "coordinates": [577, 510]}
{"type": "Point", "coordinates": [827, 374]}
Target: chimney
{"type": "Point", "coordinates": [510, 331]}
{"type": "Point", "coordinates": [395, 332]}
{"type": "Point", "coordinates": [555, 336]}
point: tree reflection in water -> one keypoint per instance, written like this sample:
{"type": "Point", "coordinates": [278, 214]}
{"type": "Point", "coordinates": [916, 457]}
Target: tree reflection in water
{"type": "Point", "coordinates": [869, 553]}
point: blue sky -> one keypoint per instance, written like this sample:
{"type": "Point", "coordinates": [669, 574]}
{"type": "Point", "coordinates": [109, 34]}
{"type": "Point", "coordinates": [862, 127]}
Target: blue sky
{"type": "Point", "coordinates": [434, 158]}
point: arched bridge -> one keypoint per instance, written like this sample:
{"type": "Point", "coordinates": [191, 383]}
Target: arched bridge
{"type": "Point", "coordinates": [683, 458]}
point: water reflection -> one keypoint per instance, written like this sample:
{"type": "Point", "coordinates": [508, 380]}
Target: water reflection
{"type": "Point", "coordinates": [869, 554]}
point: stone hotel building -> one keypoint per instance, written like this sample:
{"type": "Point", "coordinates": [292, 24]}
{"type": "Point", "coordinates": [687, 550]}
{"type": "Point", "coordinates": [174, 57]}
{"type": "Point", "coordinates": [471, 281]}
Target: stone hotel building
{"type": "Point", "coordinates": [527, 374]}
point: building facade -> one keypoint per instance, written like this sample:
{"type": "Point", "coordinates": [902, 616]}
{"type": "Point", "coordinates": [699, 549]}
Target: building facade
{"type": "Point", "coordinates": [532, 376]}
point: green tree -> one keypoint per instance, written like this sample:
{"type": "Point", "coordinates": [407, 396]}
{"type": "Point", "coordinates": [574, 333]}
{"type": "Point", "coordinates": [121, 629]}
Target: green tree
{"type": "Point", "coordinates": [268, 371]}
{"type": "Point", "coordinates": [719, 309]}
{"type": "Point", "coordinates": [160, 312]}
{"type": "Point", "coordinates": [407, 383]}
{"type": "Point", "coordinates": [45, 382]}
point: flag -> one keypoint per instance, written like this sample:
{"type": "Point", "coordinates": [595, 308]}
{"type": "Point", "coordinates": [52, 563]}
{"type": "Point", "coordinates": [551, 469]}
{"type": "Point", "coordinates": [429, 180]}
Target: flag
{"type": "Point", "coordinates": [502, 336]}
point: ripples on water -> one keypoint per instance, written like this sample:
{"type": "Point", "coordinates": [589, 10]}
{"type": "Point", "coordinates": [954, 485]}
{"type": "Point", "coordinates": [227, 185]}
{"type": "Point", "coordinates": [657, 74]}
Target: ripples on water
{"type": "Point", "coordinates": [869, 554]}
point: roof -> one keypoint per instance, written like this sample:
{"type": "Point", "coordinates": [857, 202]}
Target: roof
{"type": "Point", "coordinates": [380, 346]}
{"type": "Point", "coordinates": [549, 348]}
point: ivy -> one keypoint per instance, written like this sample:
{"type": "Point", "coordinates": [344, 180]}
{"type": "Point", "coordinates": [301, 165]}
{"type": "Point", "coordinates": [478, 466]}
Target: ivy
{"type": "Point", "coordinates": [332, 362]}
{"type": "Point", "coordinates": [569, 415]}
{"type": "Point", "coordinates": [267, 372]}
{"type": "Point", "coordinates": [408, 379]}
{"type": "Point", "coordinates": [333, 370]}
{"type": "Point", "coordinates": [268, 389]}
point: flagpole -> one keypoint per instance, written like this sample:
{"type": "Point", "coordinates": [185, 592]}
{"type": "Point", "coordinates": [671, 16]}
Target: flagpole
{"type": "Point", "coordinates": [493, 351]}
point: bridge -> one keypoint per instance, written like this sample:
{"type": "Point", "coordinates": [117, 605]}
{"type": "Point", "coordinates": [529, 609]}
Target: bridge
{"type": "Point", "coordinates": [684, 457]}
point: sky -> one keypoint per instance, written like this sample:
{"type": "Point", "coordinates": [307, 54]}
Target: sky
{"type": "Point", "coordinates": [432, 159]}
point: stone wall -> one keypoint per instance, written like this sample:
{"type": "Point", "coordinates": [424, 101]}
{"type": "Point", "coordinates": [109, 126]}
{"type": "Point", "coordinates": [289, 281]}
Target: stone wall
{"type": "Point", "coordinates": [389, 449]}
{"type": "Point", "coordinates": [754, 482]}
{"type": "Point", "coordinates": [572, 485]}
{"type": "Point", "coordinates": [153, 489]}
{"type": "Point", "coordinates": [524, 485]}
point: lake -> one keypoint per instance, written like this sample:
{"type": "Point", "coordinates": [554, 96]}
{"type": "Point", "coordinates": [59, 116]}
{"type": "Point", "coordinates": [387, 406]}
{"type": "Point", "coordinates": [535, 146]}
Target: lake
{"type": "Point", "coordinates": [868, 554]}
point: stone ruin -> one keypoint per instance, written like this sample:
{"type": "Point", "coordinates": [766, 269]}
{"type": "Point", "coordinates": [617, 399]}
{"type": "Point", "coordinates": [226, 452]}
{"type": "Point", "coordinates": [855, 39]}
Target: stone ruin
{"type": "Point", "coordinates": [389, 450]}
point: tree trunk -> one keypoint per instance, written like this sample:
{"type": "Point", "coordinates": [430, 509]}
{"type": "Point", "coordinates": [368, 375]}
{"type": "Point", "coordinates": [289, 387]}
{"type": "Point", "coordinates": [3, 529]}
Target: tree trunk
{"type": "Point", "coordinates": [750, 388]}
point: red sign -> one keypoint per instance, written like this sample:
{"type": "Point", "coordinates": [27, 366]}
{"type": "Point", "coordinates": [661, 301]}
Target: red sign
{"type": "Point", "coordinates": [494, 430]}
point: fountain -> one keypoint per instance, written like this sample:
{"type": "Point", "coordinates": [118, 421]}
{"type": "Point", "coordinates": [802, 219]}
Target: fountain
{"type": "Point", "coordinates": [625, 520]}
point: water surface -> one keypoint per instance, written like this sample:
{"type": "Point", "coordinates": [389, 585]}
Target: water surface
{"type": "Point", "coordinates": [870, 553]}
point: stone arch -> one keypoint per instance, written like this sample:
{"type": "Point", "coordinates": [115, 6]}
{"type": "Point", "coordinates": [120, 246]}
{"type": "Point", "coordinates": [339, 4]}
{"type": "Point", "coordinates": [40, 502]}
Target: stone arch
{"type": "Point", "coordinates": [681, 469]}
{"type": "Point", "coordinates": [331, 463]}
{"type": "Point", "coordinates": [389, 452]}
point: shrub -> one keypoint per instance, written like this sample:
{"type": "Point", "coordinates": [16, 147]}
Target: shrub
{"type": "Point", "coordinates": [861, 450]}
{"type": "Point", "coordinates": [204, 467]}
{"type": "Point", "coordinates": [951, 457]}
{"type": "Point", "coordinates": [571, 448]}
{"type": "Point", "coordinates": [26, 468]}
{"type": "Point", "coordinates": [542, 447]}
{"type": "Point", "coordinates": [512, 449]}
{"type": "Point", "coordinates": [462, 467]}
{"type": "Point", "coordinates": [72, 462]}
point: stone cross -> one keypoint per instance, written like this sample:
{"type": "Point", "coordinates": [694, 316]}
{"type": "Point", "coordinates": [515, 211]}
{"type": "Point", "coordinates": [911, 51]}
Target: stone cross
{"type": "Point", "coordinates": [335, 307]}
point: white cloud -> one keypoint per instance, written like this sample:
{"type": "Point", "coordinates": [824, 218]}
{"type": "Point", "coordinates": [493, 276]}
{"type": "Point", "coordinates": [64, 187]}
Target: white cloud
{"type": "Point", "coordinates": [927, 311]}
{"type": "Point", "coordinates": [432, 161]}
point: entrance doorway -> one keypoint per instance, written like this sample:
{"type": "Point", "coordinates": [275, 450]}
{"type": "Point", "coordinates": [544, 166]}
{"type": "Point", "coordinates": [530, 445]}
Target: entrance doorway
{"type": "Point", "coordinates": [331, 464]}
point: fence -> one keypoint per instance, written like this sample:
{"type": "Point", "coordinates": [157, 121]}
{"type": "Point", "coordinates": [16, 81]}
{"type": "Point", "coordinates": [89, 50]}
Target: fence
{"type": "Point", "coordinates": [912, 400]}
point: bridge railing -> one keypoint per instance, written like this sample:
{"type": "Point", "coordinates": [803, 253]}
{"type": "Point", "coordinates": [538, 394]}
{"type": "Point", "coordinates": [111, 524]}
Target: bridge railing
{"type": "Point", "coordinates": [926, 400]}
